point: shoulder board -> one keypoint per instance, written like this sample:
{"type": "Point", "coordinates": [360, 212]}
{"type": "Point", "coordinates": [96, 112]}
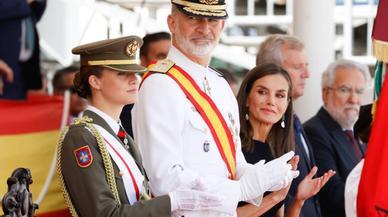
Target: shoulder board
{"type": "Point", "coordinates": [162, 66]}
{"type": "Point", "coordinates": [82, 120]}
{"type": "Point", "coordinates": [218, 72]}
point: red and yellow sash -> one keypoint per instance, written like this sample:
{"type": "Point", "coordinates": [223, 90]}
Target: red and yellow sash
{"type": "Point", "coordinates": [209, 113]}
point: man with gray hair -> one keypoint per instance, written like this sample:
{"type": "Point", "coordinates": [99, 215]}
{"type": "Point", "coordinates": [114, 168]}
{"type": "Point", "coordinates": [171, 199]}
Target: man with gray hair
{"type": "Point", "coordinates": [288, 52]}
{"type": "Point", "coordinates": [331, 130]}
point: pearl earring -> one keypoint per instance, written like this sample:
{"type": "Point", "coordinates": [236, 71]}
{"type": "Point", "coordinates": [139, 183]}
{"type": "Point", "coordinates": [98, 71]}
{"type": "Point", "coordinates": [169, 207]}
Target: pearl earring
{"type": "Point", "coordinates": [283, 123]}
{"type": "Point", "coordinates": [246, 116]}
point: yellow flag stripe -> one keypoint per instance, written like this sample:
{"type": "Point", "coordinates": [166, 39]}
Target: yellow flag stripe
{"type": "Point", "coordinates": [30, 150]}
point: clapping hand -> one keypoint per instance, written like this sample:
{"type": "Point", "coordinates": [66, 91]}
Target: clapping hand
{"type": "Point", "coordinates": [310, 186]}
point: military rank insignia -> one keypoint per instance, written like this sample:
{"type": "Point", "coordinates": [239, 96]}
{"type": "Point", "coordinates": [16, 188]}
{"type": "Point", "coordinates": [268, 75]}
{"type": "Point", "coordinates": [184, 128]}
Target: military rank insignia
{"type": "Point", "coordinates": [83, 156]}
{"type": "Point", "coordinates": [162, 66]}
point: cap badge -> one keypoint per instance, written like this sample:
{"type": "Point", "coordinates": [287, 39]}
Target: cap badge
{"type": "Point", "coordinates": [132, 48]}
{"type": "Point", "coordinates": [209, 2]}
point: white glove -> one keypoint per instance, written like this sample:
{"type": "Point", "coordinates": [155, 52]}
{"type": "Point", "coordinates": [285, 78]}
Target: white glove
{"type": "Point", "coordinates": [192, 200]}
{"type": "Point", "coordinates": [279, 172]}
{"type": "Point", "coordinates": [261, 177]}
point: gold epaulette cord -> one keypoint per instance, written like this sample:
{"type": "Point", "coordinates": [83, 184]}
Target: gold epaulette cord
{"type": "Point", "coordinates": [109, 172]}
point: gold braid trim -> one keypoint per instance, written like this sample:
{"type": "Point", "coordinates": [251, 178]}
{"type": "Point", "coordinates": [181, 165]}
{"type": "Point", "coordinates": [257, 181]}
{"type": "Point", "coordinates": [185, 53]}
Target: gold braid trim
{"type": "Point", "coordinates": [206, 12]}
{"type": "Point", "coordinates": [59, 172]}
{"type": "Point", "coordinates": [109, 172]}
{"type": "Point", "coordinates": [198, 5]}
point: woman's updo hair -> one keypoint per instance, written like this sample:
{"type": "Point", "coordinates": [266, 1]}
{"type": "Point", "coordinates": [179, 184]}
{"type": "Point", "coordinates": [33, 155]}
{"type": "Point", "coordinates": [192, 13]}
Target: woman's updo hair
{"type": "Point", "coordinates": [81, 80]}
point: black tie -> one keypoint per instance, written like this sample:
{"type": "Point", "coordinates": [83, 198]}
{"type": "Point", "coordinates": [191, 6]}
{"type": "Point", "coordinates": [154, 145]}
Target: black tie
{"type": "Point", "coordinates": [355, 145]}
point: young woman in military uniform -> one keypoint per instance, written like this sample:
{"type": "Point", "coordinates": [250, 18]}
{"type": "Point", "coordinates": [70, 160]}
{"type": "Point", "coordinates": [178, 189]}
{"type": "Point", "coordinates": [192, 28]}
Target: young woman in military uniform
{"type": "Point", "coordinates": [98, 164]}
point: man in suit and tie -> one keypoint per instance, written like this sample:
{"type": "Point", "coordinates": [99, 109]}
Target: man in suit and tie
{"type": "Point", "coordinates": [288, 52]}
{"type": "Point", "coordinates": [330, 131]}
{"type": "Point", "coordinates": [19, 46]}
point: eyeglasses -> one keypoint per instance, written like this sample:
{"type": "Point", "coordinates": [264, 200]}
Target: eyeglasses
{"type": "Point", "coordinates": [344, 91]}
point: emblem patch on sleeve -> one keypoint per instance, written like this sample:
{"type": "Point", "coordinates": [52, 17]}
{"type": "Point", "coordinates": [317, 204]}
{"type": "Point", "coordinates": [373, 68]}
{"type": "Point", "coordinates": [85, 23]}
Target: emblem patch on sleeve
{"type": "Point", "coordinates": [83, 156]}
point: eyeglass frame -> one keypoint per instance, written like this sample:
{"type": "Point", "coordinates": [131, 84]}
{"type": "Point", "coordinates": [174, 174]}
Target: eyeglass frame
{"type": "Point", "coordinates": [345, 91]}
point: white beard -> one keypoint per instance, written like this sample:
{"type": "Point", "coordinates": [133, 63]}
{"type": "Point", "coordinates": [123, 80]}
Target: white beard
{"type": "Point", "coordinates": [341, 117]}
{"type": "Point", "coordinates": [199, 50]}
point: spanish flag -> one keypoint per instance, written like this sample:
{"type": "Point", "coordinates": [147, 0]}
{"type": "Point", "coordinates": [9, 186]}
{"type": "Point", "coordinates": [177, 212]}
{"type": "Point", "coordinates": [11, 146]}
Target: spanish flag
{"type": "Point", "coordinates": [29, 132]}
{"type": "Point", "coordinates": [372, 198]}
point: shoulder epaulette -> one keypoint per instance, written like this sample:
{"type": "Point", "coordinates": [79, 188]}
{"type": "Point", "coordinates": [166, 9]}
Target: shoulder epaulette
{"type": "Point", "coordinates": [82, 120]}
{"type": "Point", "coordinates": [218, 72]}
{"type": "Point", "coordinates": [162, 66]}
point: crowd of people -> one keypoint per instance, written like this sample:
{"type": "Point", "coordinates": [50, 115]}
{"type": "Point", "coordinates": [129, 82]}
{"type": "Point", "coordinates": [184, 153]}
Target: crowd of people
{"type": "Point", "coordinates": [177, 141]}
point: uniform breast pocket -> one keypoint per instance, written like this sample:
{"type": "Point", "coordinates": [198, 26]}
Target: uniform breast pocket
{"type": "Point", "coordinates": [197, 122]}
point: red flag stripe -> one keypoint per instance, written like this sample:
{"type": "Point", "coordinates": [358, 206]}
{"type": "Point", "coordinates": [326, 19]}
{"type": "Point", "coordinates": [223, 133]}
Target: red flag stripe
{"type": "Point", "coordinates": [58, 213]}
{"type": "Point", "coordinates": [372, 198]}
{"type": "Point", "coordinates": [40, 113]}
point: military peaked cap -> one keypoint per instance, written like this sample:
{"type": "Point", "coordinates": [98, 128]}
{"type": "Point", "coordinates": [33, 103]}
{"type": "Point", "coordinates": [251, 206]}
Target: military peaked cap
{"type": "Point", "coordinates": [214, 9]}
{"type": "Point", "coordinates": [118, 54]}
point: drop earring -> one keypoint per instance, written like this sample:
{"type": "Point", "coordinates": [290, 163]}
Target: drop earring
{"type": "Point", "coordinates": [246, 116]}
{"type": "Point", "coordinates": [283, 123]}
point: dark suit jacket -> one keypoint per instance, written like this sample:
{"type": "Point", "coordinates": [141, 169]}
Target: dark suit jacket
{"type": "Point", "coordinates": [88, 189]}
{"type": "Point", "coordinates": [126, 118]}
{"type": "Point", "coordinates": [26, 74]}
{"type": "Point", "coordinates": [311, 206]}
{"type": "Point", "coordinates": [332, 150]}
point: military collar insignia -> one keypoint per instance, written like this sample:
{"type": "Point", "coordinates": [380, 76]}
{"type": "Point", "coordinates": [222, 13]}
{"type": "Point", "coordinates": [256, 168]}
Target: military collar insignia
{"type": "Point", "coordinates": [131, 48]}
{"type": "Point", "coordinates": [162, 66]}
{"type": "Point", "coordinates": [83, 156]}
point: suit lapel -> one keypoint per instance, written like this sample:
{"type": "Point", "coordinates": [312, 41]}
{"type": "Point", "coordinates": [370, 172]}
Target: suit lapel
{"type": "Point", "coordinates": [343, 146]}
{"type": "Point", "coordinates": [299, 143]}
{"type": "Point", "coordinates": [341, 142]}
{"type": "Point", "coordinates": [311, 154]}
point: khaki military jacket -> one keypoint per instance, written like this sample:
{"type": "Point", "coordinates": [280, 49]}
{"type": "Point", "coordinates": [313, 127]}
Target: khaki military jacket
{"type": "Point", "coordinates": [88, 187]}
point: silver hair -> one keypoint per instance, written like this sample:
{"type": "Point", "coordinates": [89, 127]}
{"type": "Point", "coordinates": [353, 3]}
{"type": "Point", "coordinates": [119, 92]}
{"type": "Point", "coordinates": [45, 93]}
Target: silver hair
{"type": "Point", "coordinates": [329, 74]}
{"type": "Point", "coordinates": [270, 51]}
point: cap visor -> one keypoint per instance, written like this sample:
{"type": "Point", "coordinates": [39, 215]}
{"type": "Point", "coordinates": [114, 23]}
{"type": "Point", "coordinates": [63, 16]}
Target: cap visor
{"type": "Point", "coordinates": [134, 68]}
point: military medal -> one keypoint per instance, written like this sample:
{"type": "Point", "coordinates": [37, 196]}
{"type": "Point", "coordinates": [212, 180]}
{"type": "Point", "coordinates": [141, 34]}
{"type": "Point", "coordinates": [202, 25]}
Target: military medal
{"type": "Point", "coordinates": [122, 136]}
{"type": "Point", "coordinates": [206, 86]}
{"type": "Point", "coordinates": [233, 129]}
{"type": "Point", "coordinates": [126, 146]}
{"type": "Point", "coordinates": [231, 118]}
